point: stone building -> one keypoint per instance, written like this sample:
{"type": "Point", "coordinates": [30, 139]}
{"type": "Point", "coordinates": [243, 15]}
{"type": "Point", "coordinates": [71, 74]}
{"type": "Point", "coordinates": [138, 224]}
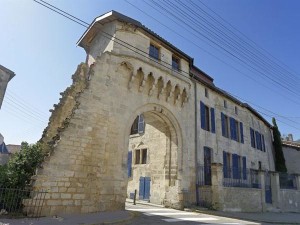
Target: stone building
{"type": "Point", "coordinates": [4, 153]}
{"type": "Point", "coordinates": [291, 152]}
{"type": "Point", "coordinates": [140, 115]}
{"type": "Point", "coordinates": [5, 76]}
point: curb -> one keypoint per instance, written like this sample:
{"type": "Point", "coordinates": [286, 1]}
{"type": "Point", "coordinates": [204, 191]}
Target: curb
{"type": "Point", "coordinates": [241, 218]}
{"type": "Point", "coordinates": [144, 203]}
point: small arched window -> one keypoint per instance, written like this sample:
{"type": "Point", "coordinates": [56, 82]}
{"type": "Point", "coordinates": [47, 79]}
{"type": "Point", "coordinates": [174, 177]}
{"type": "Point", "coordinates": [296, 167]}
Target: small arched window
{"type": "Point", "coordinates": [138, 126]}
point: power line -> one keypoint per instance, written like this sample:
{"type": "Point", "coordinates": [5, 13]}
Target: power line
{"type": "Point", "coordinates": [26, 104]}
{"type": "Point", "coordinates": [155, 7]}
{"type": "Point", "coordinates": [169, 8]}
{"type": "Point", "coordinates": [255, 44]}
{"type": "Point", "coordinates": [111, 37]}
{"type": "Point", "coordinates": [19, 106]}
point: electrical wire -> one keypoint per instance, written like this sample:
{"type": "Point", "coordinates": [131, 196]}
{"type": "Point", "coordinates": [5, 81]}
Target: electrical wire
{"type": "Point", "coordinates": [126, 45]}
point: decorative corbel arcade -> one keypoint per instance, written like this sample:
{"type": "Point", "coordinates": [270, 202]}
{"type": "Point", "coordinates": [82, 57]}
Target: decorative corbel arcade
{"type": "Point", "coordinates": [159, 84]}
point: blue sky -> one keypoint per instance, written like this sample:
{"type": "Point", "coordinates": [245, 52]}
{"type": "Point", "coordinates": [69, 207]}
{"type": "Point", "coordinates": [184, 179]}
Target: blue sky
{"type": "Point", "coordinates": [40, 47]}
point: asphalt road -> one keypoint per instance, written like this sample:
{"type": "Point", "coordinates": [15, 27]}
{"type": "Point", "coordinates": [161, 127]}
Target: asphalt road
{"type": "Point", "coordinates": [156, 215]}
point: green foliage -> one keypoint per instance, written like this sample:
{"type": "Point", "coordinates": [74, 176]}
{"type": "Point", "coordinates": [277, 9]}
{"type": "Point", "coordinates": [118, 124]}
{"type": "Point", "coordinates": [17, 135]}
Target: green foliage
{"type": "Point", "coordinates": [279, 157]}
{"type": "Point", "coordinates": [21, 166]}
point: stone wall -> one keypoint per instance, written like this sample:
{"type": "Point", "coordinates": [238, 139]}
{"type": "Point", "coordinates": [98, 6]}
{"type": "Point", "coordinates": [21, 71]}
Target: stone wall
{"type": "Point", "coordinates": [87, 170]}
{"type": "Point", "coordinates": [242, 199]}
{"type": "Point", "coordinates": [292, 156]}
{"type": "Point", "coordinates": [290, 200]}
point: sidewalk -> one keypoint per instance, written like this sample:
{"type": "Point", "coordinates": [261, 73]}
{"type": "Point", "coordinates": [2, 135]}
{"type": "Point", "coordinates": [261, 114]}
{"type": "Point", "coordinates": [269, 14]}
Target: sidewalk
{"type": "Point", "coordinates": [267, 217]}
{"type": "Point", "coordinates": [117, 217]}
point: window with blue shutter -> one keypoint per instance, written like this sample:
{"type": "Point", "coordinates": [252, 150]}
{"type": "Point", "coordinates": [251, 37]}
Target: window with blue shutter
{"type": "Point", "coordinates": [232, 128]}
{"type": "Point", "coordinates": [242, 132]}
{"type": "Point", "coordinates": [263, 142]}
{"type": "Point", "coordinates": [202, 111]}
{"type": "Point", "coordinates": [212, 118]}
{"type": "Point", "coordinates": [235, 166]}
{"type": "Point", "coordinates": [244, 168]}
{"type": "Point", "coordinates": [141, 124]}
{"type": "Point", "coordinates": [223, 124]}
{"type": "Point", "coordinates": [258, 141]}
{"type": "Point", "coordinates": [154, 51]}
{"type": "Point", "coordinates": [129, 164]}
{"type": "Point", "coordinates": [252, 138]}
{"type": "Point", "coordinates": [225, 172]}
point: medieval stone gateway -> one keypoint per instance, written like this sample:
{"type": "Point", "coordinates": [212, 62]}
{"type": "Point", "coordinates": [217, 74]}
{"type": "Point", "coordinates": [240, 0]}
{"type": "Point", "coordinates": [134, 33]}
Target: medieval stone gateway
{"type": "Point", "coordinates": [97, 155]}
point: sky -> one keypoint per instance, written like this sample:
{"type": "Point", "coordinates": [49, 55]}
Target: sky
{"type": "Point", "coordinates": [40, 47]}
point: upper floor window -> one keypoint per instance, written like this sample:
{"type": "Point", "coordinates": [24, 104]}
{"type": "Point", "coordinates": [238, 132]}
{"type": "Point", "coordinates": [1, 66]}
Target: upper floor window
{"type": "Point", "coordinates": [236, 128]}
{"type": "Point", "coordinates": [225, 125]}
{"type": "Point", "coordinates": [206, 92]}
{"type": "Point", "coordinates": [207, 118]}
{"type": "Point", "coordinates": [225, 104]}
{"type": "Point", "coordinates": [257, 140]}
{"type": "Point", "coordinates": [138, 126]}
{"type": "Point", "coordinates": [175, 63]}
{"type": "Point", "coordinates": [236, 110]}
{"type": "Point", "coordinates": [154, 51]}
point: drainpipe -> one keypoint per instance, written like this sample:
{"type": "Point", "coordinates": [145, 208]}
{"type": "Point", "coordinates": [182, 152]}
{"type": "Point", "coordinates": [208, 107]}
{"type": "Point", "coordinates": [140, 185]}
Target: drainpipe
{"type": "Point", "coordinates": [196, 138]}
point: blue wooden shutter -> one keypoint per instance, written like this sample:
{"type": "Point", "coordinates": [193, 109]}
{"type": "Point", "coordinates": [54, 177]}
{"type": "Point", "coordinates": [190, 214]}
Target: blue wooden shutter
{"type": "Point", "coordinates": [242, 132]}
{"type": "Point", "coordinates": [252, 137]}
{"type": "Point", "coordinates": [203, 117]}
{"type": "Point", "coordinates": [257, 137]}
{"type": "Point", "coordinates": [244, 168]}
{"type": "Point", "coordinates": [232, 128]}
{"type": "Point", "coordinates": [223, 124]}
{"type": "Point", "coordinates": [263, 142]}
{"type": "Point", "coordinates": [147, 188]}
{"type": "Point", "coordinates": [142, 188]}
{"type": "Point", "coordinates": [235, 166]}
{"type": "Point", "coordinates": [141, 124]}
{"type": "Point", "coordinates": [212, 118]}
{"type": "Point", "coordinates": [129, 164]}
{"type": "Point", "coordinates": [225, 173]}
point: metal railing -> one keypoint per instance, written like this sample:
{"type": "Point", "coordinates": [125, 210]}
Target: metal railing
{"type": "Point", "coordinates": [241, 178]}
{"type": "Point", "coordinates": [21, 202]}
{"type": "Point", "coordinates": [203, 175]}
{"type": "Point", "coordinates": [287, 181]}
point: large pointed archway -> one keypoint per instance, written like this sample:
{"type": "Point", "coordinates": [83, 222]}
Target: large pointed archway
{"type": "Point", "coordinates": [154, 149]}
{"type": "Point", "coordinates": [86, 170]}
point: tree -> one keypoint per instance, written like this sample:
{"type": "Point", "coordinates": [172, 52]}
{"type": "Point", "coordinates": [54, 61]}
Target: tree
{"type": "Point", "coordinates": [279, 157]}
{"type": "Point", "coordinates": [19, 169]}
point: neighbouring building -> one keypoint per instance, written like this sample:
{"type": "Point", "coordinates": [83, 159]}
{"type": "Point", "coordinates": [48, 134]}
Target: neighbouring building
{"type": "Point", "coordinates": [291, 152]}
{"type": "Point", "coordinates": [13, 149]}
{"type": "Point", "coordinates": [141, 116]}
{"type": "Point", "coordinates": [4, 153]}
{"type": "Point", "coordinates": [5, 76]}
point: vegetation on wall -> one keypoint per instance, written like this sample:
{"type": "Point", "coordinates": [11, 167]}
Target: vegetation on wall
{"type": "Point", "coordinates": [279, 157]}
{"type": "Point", "coordinates": [19, 169]}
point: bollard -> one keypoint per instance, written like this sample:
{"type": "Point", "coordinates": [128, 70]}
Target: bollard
{"type": "Point", "coordinates": [134, 198]}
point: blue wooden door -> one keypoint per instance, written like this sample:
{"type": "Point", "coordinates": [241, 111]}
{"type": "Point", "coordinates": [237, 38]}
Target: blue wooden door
{"type": "Point", "coordinates": [147, 188]}
{"type": "Point", "coordinates": [268, 190]}
{"type": "Point", "coordinates": [207, 166]}
{"type": "Point", "coordinates": [144, 188]}
{"type": "Point", "coordinates": [129, 164]}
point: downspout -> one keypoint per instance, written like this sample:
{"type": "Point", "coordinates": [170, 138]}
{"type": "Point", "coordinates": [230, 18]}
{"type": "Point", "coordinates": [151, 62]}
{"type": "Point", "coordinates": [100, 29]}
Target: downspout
{"type": "Point", "coordinates": [196, 139]}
